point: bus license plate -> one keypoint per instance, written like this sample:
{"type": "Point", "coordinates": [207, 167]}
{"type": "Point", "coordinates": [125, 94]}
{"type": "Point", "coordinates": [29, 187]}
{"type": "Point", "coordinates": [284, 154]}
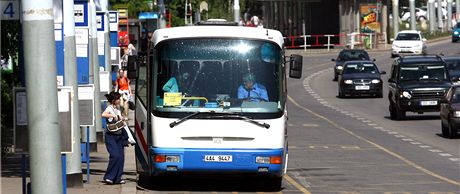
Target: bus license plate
{"type": "Point", "coordinates": [429, 103]}
{"type": "Point", "coordinates": [218, 158]}
{"type": "Point", "coordinates": [362, 87]}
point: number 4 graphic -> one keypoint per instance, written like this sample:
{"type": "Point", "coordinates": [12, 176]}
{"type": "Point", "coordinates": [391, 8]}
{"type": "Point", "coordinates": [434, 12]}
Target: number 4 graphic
{"type": "Point", "coordinates": [9, 10]}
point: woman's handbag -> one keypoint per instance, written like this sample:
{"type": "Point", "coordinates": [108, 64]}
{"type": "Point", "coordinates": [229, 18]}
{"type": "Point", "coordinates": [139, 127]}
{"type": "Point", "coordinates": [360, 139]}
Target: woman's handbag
{"type": "Point", "coordinates": [116, 127]}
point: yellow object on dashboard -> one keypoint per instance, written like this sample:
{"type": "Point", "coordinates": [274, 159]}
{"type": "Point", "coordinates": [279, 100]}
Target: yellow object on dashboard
{"type": "Point", "coordinates": [172, 98]}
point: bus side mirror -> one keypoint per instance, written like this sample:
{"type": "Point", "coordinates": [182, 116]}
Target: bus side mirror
{"type": "Point", "coordinates": [295, 66]}
{"type": "Point", "coordinates": [132, 67]}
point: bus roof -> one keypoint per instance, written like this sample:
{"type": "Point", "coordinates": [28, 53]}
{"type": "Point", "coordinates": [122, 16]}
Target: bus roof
{"type": "Point", "coordinates": [218, 32]}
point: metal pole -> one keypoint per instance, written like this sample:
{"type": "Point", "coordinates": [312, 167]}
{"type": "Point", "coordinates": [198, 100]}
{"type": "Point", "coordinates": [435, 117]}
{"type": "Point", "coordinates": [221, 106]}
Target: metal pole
{"type": "Point", "coordinates": [185, 15]}
{"type": "Point", "coordinates": [108, 66]}
{"type": "Point", "coordinates": [449, 15]}
{"type": "Point", "coordinates": [457, 8]}
{"type": "Point", "coordinates": [74, 175]}
{"type": "Point", "coordinates": [412, 15]}
{"type": "Point", "coordinates": [94, 66]}
{"type": "Point", "coordinates": [236, 10]}
{"type": "Point", "coordinates": [431, 16]}
{"type": "Point", "coordinates": [42, 107]}
{"type": "Point", "coordinates": [440, 23]}
{"type": "Point", "coordinates": [395, 18]}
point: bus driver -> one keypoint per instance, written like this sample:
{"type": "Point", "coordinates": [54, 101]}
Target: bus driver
{"type": "Point", "coordinates": [251, 91]}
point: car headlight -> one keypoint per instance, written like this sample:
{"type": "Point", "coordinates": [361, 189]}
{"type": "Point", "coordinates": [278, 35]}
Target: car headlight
{"type": "Point", "coordinates": [348, 81]}
{"type": "Point", "coordinates": [456, 113]}
{"type": "Point", "coordinates": [395, 46]}
{"type": "Point", "coordinates": [339, 67]}
{"type": "Point", "coordinates": [375, 81]}
{"type": "Point", "coordinates": [406, 94]}
{"type": "Point", "coordinates": [455, 32]}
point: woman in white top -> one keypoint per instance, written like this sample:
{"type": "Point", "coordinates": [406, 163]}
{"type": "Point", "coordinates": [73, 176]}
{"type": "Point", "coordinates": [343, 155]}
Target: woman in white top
{"type": "Point", "coordinates": [114, 141]}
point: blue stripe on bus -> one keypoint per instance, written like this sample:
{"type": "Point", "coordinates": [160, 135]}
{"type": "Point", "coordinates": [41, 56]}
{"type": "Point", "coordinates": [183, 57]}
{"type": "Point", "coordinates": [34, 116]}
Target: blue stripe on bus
{"type": "Point", "coordinates": [192, 160]}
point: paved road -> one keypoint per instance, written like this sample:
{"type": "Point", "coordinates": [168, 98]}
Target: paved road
{"type": "Point", "coordinates": [351, 146]}
{"type": "Point", "coordinates": [343, 146]}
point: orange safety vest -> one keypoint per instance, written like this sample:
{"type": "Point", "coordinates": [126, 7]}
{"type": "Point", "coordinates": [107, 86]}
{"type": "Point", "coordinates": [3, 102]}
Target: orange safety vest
{"type": "Point", "coordinates": [123, 83]}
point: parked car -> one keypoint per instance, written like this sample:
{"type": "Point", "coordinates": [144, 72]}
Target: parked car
{"type": "Point", "coordinates": [450, 113]}
{"type": "Point", "coordinates": [453, 66]}
{"type": "Point", "coordinates": [456, 32]}
{"type": "Point", "coordinates": [360, 78]}
{"type": "Point", "coordinates": [417, 84]}
{"type": "Point", "coordinates": [420, 13]}
{"type": "Point", "coordinates": [348, 55]}
{"type": "Point", "coordinates": [408, 42]}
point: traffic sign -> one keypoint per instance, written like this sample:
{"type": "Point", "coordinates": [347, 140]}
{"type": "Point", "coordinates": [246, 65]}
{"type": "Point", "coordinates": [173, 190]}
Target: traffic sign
{"type": "Point", "coordinates": [9, 9]}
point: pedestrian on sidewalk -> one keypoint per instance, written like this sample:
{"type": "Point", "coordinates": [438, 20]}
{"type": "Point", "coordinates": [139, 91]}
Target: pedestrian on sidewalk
{"type": "Point", "coordinates": [123, 87]}
{"type": "Point", "coordinates": [115, 141]}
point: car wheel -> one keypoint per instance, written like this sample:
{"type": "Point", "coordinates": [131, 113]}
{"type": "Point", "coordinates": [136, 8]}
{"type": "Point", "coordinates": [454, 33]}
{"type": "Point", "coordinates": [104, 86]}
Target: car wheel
{"type": "Point", "coordinates": [393, 56]}
{"type": "Point", "coordinates": [454, 40]}
{"type": "Point", "coordinates": [452, 130]}
{"type": "Point", "coordinates": [444, 130]}
{"type": "Point", "coordinates": [336, 77]}
{"type": "Point", "coordinates": [274, 183]}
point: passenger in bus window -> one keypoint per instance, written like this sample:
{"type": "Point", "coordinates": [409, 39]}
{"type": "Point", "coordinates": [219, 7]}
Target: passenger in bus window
{"type": "Point", "coordinates": [175, 84]}
{"type": "Point", "coordinates": [251, 91]}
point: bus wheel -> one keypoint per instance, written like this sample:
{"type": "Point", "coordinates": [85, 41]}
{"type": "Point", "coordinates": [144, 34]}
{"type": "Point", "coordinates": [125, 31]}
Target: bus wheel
{"type": "Point", "coordinates": [274, 183]}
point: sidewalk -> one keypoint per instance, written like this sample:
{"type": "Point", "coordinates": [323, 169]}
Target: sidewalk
{"type": "Point", "coordinates": [11, 181]}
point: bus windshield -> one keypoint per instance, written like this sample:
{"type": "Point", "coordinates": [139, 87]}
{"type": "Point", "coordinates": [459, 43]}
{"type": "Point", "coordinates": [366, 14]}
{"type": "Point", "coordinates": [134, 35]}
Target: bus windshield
{"type": "Point", "coordinates": [217, 75]}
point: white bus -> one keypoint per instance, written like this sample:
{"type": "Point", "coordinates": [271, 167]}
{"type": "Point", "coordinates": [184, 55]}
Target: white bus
{"type": "Point", "coordinates": [213, 100]}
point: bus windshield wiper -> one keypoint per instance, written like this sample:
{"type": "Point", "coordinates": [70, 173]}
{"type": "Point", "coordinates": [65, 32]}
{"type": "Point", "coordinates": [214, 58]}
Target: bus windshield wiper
{"type": "Point", "coordinates": [179, 121]}
{"type": "Point", "coordinates": [247, 119]}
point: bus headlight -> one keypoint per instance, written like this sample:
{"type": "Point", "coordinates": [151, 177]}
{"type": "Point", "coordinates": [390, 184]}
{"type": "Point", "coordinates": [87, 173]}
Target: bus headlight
{"type": "Point", "coordinates": [262, 160]}
{"type": "Point", "coordinates": [172, 158]}
{"type": "Point", "coordinates": [268, 160]}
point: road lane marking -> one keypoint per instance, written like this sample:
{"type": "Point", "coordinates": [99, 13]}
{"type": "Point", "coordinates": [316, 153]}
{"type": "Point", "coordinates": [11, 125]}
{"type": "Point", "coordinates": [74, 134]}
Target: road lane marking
{"type": "Point", "coordinates": [415, 143]}
{"type": "Point", "coordinates": [445, 154]}
{"type": "Point", "coordinates": [454, 159]}
{"type": "Point", "coordinates": [436, 151]}
{"type": "Point", "coordinates": [425, 146]}
{"type": "Point", "coordinates": [296, 185]}
{"type": "Point", "coordinates": [410, 163]}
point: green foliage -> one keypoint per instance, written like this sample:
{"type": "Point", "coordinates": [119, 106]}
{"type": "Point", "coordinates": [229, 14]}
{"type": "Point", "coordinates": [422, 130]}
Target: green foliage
{"type": "Point", "coordinates": [10, 37]}
{"type": "Point", "coordinates": [134, 6]}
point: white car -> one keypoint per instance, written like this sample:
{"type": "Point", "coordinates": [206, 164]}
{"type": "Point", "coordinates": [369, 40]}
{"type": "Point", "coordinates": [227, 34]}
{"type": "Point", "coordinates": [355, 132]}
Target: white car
{"type": "Point", "coordinates": [408, 42]}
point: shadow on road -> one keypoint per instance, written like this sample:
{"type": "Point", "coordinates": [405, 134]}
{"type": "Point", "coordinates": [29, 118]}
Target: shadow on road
{"type": "Point", "coordinates": [207, 183]}
{"type": "Point", "coordinates": [417, 118]}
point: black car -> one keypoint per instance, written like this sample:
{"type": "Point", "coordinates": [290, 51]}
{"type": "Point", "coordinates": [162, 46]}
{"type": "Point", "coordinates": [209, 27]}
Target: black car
{"type": "Point", "coordinates": [360, 78]}
{"type": "Point", "coordinates": [348, 55]}
{"type": "Point", "coordinates": [453, 66]}
{"type": "Point", "coordinates": [450, 113]}
{"type": "Point", "coordinates": [417, 84]}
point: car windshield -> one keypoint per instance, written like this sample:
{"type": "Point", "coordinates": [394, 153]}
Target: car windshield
{"type": "Point", "coordinates": [423, 72]}
{"type": "Point", "coordinates": [453, 66]}
{"type": "Point", "coordinates": [219, 75]}
{"type": "Point", "coordinates": [458, 25]}
{"type": "Point", "coordinates": [360, 68]}
{"type": "Point", "coordinates": [408, 36]}
{"type": "Point", "coordinates": [353, 55]}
